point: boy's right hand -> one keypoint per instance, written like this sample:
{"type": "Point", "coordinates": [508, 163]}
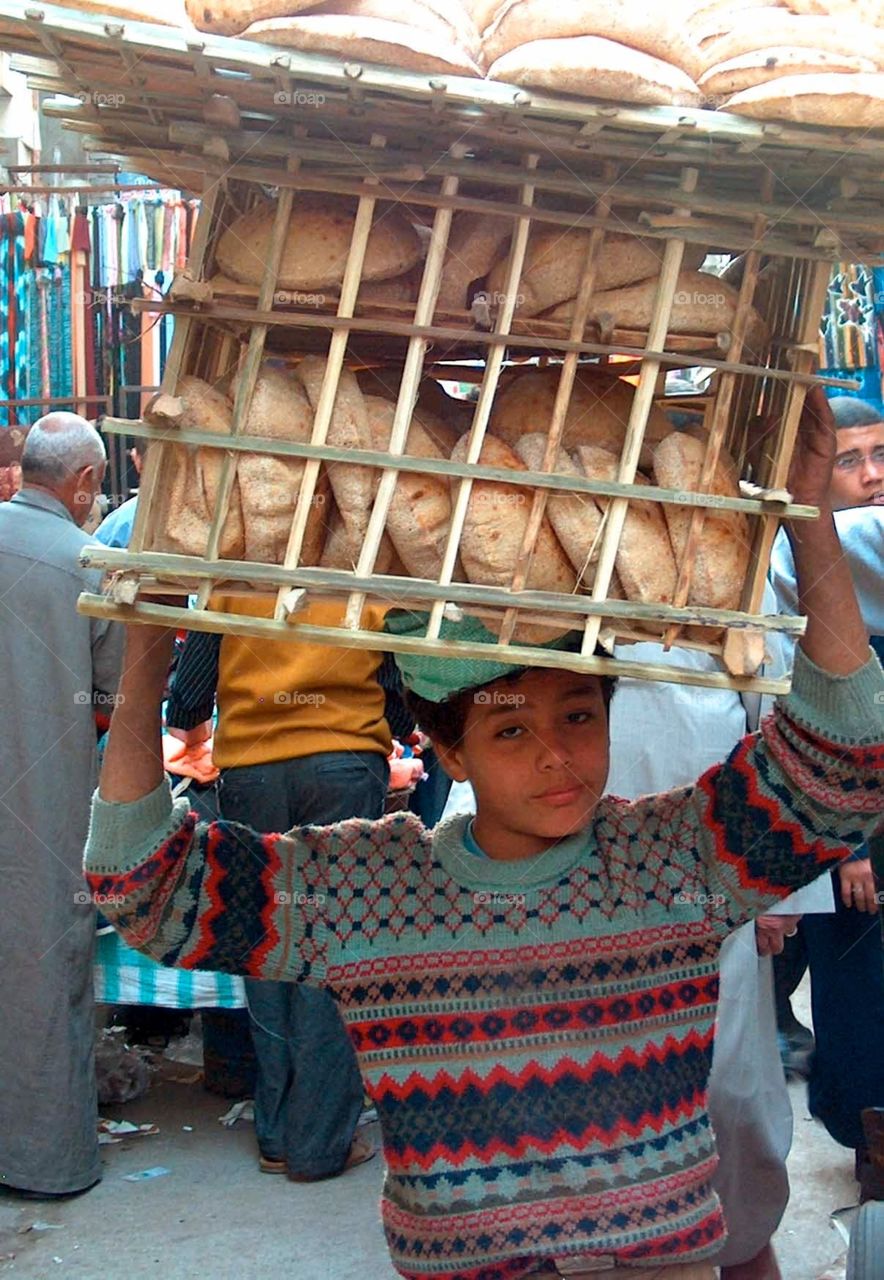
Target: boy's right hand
{"type": "Point", "coordinates": [810, 475]}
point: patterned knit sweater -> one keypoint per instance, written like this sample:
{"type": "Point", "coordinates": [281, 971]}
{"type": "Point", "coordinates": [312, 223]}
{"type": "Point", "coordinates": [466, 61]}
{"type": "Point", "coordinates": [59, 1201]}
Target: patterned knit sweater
{"type": "Point", "coordinates": [536, 1035]}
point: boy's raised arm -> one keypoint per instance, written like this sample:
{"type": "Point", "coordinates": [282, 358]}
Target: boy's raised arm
{"type": "Point", "coordinates": [836, 640]}
{"type": "Point", "coordinates": [133, 759]}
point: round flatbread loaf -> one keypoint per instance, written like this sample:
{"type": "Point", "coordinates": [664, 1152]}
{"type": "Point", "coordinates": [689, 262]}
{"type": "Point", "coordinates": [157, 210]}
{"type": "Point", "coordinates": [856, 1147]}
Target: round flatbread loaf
{"type": "Point", "coordinates": [419, 516]}
{"type": "Point", "coordinates": [554, 262]}
{"type": "Point", "coordinates": [436, 413]}
{"type": "Point", "coordinates": [787, 30]}
{"type": "Point", "coordinates": [316, 246]}
{"type": "Point", "coordinates": [230, 17]}
{"type": "Point", "coordinates": [843, 102]}
{"type": "Point", "coordinates": [193, 494]}
{"type": "Point", "coordinates": [497, 516]}
{"type": "Point", "coordinates": [482, 12]}
{"type": "Point", "coordinates": [575, 517]}
{"type": "Point", "coordinates": [269, 485]}
{"type": "Point", "coordinates": [652, 29]}
{"type": "Point", "coordinates": [448, 21]}
{"type": "Point", "coordinates": [752, 69]}
{"type": "Point", "coordinates": [338, 550]}
{"type": "Point", "coordinates": [644, 561]}
{"type": "Point", "coordinates": [598, 411]}
{"type": "Point", "coordinates": [711, 22]}
{"type": "Point", "coordinates": [398, 290]}
{"type": "Point", "coordinates": [354, 487]}
{"type": "Point", "coordinates": [702, 304]}
{"type": "Point", "coordinates": [865, 10]}
{"type": "Point", "coordinates": [596, 68]}
{"type": "Point", "coordinates": [391, 44]}
{"type": "Point", "coordinates": [475, 243]}
{"type": "Point", "coordinates": [723, 550]}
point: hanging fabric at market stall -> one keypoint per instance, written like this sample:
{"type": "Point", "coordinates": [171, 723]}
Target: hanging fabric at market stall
{"type": "Point", "coordinates": [852, 328]}
{"type": "Point", "coordinates": [68, 273]}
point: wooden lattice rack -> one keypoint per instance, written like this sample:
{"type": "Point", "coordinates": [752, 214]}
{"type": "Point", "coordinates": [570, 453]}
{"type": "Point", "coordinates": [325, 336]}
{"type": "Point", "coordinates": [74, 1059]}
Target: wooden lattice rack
{"type": "Point", "coordinates": [233, 121]}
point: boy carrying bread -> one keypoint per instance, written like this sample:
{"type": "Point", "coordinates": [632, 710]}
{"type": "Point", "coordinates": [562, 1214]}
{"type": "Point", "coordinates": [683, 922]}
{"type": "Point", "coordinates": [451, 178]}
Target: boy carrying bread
{"type": "Point", "coordinates": [532, 993]}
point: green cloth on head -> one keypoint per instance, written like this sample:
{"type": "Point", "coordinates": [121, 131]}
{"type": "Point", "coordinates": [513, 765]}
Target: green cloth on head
{"type": "Point", "coordinates": [437, 678]}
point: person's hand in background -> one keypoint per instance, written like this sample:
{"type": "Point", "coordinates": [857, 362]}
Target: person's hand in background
{"type": "Point", "coordinates": [858, 888]}
{"type": "Point", "coordinates": [192, 737]}
{"type": "Point", "coordinates": [771, 933]}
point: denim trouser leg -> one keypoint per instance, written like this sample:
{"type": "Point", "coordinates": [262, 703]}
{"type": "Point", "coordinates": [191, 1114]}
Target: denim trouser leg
{"type": "Point", "coordinates": [847, 998]}
{"type": "Point", "coordinates": [309, 1091]}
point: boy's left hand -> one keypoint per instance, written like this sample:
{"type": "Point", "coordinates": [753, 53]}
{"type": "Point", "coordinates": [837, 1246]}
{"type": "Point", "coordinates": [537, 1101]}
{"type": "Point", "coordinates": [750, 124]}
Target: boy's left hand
{"type": "Point", "coordinates": [810, 475]}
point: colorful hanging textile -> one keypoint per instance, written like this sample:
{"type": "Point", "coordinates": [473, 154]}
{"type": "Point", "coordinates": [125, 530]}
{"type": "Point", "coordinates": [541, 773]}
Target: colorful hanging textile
{"type": "Point", "coordinates": [852, 329]}
{"type": "Point", "coordinates": [14, 342]}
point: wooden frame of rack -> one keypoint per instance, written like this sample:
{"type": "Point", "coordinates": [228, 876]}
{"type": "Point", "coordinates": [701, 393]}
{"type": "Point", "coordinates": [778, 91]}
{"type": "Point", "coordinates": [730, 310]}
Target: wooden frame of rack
{"type": "Point", "coordinates": [439, 145]}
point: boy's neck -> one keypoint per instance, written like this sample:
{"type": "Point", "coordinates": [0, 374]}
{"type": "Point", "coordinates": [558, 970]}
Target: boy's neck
{"type": "Point", "coordinates": [510, 846]}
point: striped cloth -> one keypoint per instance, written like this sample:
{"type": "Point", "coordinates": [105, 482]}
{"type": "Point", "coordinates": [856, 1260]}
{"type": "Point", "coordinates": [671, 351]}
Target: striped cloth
{"type": "Point", "coordinates": [125, 976]}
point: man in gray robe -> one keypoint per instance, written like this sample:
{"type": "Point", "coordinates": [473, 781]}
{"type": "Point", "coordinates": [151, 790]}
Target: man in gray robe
{"type": "Point", "coordinates": [57, 666]}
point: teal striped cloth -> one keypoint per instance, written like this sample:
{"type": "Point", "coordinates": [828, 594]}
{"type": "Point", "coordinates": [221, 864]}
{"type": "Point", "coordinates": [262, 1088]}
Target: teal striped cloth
{"type": "Point", "coordinates": [125, 976]}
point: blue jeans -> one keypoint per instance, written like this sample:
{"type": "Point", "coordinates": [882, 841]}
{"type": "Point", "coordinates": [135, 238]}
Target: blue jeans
{"type": "Point", "coordinates": [308, 1095]}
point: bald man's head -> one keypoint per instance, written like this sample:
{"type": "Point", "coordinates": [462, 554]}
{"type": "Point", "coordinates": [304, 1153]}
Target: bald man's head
{"type": "Point", "coordinates": [64, 454]}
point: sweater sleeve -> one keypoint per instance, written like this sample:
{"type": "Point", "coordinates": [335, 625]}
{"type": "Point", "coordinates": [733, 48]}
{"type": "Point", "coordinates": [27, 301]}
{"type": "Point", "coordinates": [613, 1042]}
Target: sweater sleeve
{"type": "Point", "coordinates": [789, 802]}
{"type": "Point", "coordinates": [215, 896]}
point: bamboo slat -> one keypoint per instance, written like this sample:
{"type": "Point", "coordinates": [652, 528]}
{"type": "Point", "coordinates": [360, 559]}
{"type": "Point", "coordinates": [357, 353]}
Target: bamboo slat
{"type": "Point", "coordinates": [455, 470]}
{"type": "Point", "coordinates": [487, 392]}
{"type": "Point", "coordinates": [560, 407]}
{"type": "Point", "coordinates": [264, 628]}
{"type": "Point", "coordinates": [720, 414]}
{"type": "Point", "coordinates": [146, 509]}
{"type": "Point", "coordinates": [408, 389]}
{"type": "Point", "coordinates": [805, 359]}
{"type": "Point", "coordinates": [335, 362]}
{"type": "Point", "coordinates": [338, 582]}
{"type": "Point", "coordinates": [246, 384]}
{"type": "Point", "coordinates": [638, 417]}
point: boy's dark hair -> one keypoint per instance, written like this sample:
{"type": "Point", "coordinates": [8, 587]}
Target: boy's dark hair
{"type": "Point", "coordinates": [848, 411]}
{"type": "Point", "coordinates": [445, 722]}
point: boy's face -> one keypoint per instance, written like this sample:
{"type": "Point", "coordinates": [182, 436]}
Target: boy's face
{"type": "Point", "coordinates": [536, 753]}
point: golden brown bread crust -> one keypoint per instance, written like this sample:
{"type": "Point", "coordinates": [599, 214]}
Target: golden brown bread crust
{"type": "Point", "coordinates": [575, 517]}
{"type": "Point", "coordinates": [723, 550]}
{"type": "Point", "coordinates": [649, 29]}
{"type": "Point", "coordinates": [598, 411]}
{"type": "Point", "coordinates": [644, 561]}
{"type": "Point", "coordinates": [269, 486]}
{"type": "Point", "coordinates": [554, 263]}
{"type": "Point", "coordinates": [751, 69]}
{"type": "Point", "coordinates": [370, 39]}
{"type": "Point", "coordinates": [591, 67]}
{"type": "Point", "coordinates": [419, 516]}
{"type": "Point", "coordinates": [836, 101]}
{"type": "Point", "coordinates": [230, 17]}
{"type": "Point", "coordinates": [702, 304]}
{"type": "Point", "coordinates": [317, 244]}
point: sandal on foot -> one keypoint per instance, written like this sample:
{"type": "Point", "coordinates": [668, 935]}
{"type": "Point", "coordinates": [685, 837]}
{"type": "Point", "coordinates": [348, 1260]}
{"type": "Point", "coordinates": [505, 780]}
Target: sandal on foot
{"type": "Point", "coordinates": [362, 1150]}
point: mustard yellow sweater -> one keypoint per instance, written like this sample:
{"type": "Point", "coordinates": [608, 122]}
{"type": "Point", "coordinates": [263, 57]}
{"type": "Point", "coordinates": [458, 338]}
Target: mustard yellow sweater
{"type": "Point", "coordinates": [282, 699]}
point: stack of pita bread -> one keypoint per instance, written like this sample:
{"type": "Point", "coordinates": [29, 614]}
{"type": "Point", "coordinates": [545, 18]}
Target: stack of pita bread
{"type": "Point", "coordinates": [413, 35]}
{"type": "Point", "coordinates": [624, 50]}
{"type": "Point", "coordinates": [807, 61]}
{"type": "Point", "coordinates": [265, 490]}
